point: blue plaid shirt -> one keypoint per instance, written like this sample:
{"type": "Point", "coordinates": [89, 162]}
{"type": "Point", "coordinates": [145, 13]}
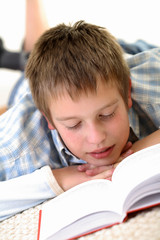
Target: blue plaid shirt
{"type": "Point", "coordinates": [145, 75]}
{"type": "Point", "coordinates": [26, 143]}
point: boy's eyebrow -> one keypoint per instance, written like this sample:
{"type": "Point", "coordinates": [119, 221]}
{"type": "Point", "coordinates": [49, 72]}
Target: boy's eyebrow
{"type": "Point", "coordinates": [73, 117]}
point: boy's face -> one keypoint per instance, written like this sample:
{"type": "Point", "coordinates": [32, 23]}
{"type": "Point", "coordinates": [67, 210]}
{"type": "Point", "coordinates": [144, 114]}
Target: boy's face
{"type": "Point", "coordinates": [95, 127]}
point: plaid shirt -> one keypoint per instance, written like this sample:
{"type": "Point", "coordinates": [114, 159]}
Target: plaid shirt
{"type": "Point", "coordinates": [26, 143]}
{"type": "Point", "coordinates": [145, 75]}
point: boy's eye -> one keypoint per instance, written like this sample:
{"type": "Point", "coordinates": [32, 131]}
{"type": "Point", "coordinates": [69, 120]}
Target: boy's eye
{"type": "Point", "coordinates": [107, 116]}
{"type": "Point", "coordinates": [75, 126]}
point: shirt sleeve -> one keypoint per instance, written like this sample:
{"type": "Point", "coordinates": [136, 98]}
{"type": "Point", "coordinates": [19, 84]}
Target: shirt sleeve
{"type": "Point", "coordinates": [27, 191]}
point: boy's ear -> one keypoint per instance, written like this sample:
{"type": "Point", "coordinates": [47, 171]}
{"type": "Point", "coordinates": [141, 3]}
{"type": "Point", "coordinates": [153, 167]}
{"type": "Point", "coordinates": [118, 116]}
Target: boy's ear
{"type": "Point", "coordinates": [50, 126]}
{"type": "Point", "coordinates": [129, 94]}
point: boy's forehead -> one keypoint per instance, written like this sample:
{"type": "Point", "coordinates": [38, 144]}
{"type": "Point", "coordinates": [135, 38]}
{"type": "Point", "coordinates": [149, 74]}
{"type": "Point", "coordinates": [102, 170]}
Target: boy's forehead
{"type": "Point", "coordinates": [75, 94]}
{"type": "Point", "coordinates": [104, 96]}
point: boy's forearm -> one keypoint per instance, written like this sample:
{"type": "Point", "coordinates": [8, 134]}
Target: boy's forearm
{"type": "Point", "coordinates": [148, 141]}
{"type": "Point", "coordinates": [25, 192]}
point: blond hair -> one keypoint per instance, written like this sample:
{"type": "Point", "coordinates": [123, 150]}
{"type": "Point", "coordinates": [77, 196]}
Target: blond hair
{"type": "Point", "coordinates": [71, 58]}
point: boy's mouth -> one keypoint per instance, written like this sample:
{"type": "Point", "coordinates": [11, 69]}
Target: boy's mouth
{"type": "Point", "coordinates": [101, 153]}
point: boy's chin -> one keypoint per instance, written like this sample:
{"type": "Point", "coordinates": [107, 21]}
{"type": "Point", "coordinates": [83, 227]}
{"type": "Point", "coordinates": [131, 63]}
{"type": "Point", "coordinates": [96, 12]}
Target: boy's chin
{"type": "Point", "coordinates": [100, 162]}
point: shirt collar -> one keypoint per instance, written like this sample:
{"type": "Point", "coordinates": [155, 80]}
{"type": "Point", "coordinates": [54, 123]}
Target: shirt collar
{"type": "Point", "coordinates": [66, 157]}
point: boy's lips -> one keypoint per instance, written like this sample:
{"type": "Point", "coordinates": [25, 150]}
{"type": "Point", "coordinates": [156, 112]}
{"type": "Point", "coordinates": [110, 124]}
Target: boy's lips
{"type": "Point", "coordinates": [101, 153]}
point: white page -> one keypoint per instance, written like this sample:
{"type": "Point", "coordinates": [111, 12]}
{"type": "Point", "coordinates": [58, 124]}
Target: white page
{"type": "Point", "coordinates": [153, 199]}
{"type": "Point", "coordinates": [151, 187]}
{"type": "Point", "coordinates": [135, 169]}
{"type": "Point", "coordinates": [68, 207]}
{"type": "Point", "coordinates": [87, 224]}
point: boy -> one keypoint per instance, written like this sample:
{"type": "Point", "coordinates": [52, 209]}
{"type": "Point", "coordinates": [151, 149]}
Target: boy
{"type": "Point", "coordinates": [81, 86]}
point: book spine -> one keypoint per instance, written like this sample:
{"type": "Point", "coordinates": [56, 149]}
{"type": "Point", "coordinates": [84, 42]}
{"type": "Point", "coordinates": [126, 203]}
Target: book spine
{"type": "Point", "coordinates": [39, 224]}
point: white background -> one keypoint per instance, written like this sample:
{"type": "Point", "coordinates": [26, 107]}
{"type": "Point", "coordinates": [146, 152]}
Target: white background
{"type": "Point", "coordinates": [125, 19]}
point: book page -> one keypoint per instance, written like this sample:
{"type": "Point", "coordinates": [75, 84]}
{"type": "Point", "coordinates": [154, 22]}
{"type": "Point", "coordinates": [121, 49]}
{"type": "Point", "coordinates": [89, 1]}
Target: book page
{"type": "Point", "coordinates": [87, 225]}
{"type": "Point", "coordinates": [135, 170]}
{"type": "Point", "coordinates": [152, 199]}
{"type": "Point", "coordinates": [150, 187]}
{"type": "Point", "coordinates": [84, 199]}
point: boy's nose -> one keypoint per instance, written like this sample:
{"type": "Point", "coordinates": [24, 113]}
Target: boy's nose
{"type": "Point", "coordinates": [95, 134]}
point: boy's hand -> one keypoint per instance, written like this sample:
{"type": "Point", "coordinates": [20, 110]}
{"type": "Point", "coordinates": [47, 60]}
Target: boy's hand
{"type": "Point", "coordinates": [92, 170]}
{"type": "Point", "coordinates": [69, 177]}
{"type": "Point", "coordinates": [127, 150]}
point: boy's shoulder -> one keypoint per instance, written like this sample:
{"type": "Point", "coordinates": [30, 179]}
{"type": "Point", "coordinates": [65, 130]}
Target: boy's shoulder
{"type": "Point", "coordinates": [24, 139]}
{"type": "Point", "coordinates": [145, 76]}
{"type": "Point", "coordinates": [145, 71]}
{"type": "Point", "coordinates": [151, 57]}
{"type": "Point", "coordinates": [20, 125]}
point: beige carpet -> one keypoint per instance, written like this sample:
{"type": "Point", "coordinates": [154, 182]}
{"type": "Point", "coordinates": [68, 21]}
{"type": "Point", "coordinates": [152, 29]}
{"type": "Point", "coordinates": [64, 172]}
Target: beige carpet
{"type": "Point", "coordinates": [144, 225]}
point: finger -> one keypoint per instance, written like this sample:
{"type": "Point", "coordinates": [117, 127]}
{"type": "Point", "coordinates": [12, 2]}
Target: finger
{"type": "Point", "coordinates": [82, 168]}
{"type": "Point", "coordinates": [104, 175]}
{"type": "Point", "coordinates": [125, 154]}
{"type": "Point", "coordinates": [110, 178]}
{"type": "Point", "coordinates": [115, 165]}
{"type": "Point", "coordinates": [85, 167]}
{"type": "Point", "coordinates": [127, 146]}
{"type": "Point", "coordinates": [97, 170]}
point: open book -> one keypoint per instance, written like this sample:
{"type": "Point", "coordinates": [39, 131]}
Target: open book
{"type": "Point", "coordinates": [97, 204]}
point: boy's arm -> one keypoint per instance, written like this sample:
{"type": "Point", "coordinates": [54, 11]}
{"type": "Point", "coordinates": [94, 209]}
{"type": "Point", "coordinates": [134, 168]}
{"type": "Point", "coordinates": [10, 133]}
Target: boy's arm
{"type": "Point", "coordinates": [148, 141]}
{"type": "Point", "coordinates": [27, 191]}
{"type": "Point", "coordinates": [69, 177]}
